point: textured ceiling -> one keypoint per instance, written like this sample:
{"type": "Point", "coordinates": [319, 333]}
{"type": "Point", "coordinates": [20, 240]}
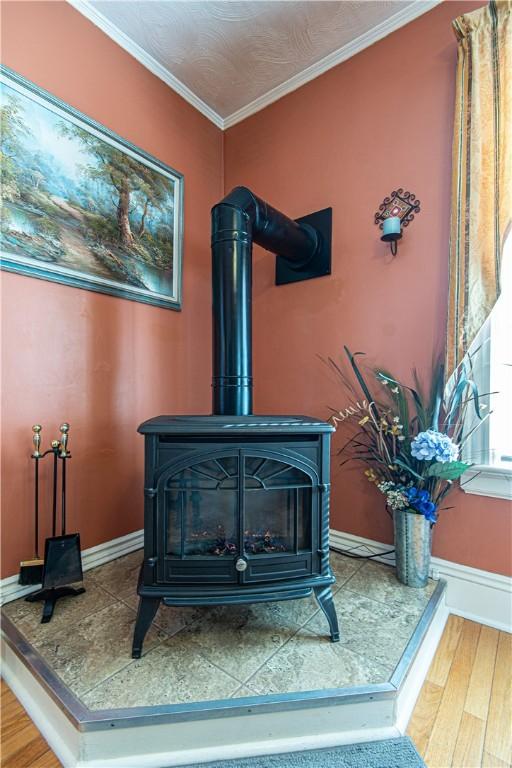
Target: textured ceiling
{"type": "Point", "coordinates": [231, 53]}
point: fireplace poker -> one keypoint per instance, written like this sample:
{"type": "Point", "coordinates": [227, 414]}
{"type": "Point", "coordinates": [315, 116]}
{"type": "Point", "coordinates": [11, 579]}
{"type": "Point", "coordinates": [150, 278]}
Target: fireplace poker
{"type": "Point", "coordinates": [64, 455]}
{"type": "Point", "coordinates": [55, 449]}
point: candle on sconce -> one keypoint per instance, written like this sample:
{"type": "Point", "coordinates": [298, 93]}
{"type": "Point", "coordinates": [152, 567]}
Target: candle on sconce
{"type": "Point", "coordinates": [396, 211]}
{"type": "Point", "coordinates": [391, 226]}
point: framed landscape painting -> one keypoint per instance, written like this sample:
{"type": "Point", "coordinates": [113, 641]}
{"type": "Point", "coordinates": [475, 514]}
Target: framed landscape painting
{"type": "Point", "coordinates": [83, 207]}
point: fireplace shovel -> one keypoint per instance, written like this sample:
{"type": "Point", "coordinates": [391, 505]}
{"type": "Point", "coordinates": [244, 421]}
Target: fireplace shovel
{"type": "Point", "coordinates": [62, 557]}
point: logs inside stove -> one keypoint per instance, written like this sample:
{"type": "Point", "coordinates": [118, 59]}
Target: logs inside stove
{"type": "Point", "coordinates": [237, 505]}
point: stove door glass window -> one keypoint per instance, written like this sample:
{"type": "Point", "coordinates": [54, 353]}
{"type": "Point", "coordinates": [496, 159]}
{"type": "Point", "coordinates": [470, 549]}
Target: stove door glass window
{"type": "Point", "coordinates": [277, 499]}
{"type": "Point", "coordinates": [202, 509]}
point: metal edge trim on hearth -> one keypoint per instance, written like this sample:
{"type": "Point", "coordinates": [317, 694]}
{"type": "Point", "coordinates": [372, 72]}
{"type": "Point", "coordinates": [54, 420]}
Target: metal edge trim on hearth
{"type": "Point", "coordinates": [401, 670]}
{"type": "Point", "coordinates": [85, 719]}
{"type": "Point", "coordinates": [67, 702]}
{"type": "Point", "coordinates": [249, 705]}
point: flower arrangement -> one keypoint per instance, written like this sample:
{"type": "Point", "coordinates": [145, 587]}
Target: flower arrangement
{"type": "Point", "coordinates": [409, 443]}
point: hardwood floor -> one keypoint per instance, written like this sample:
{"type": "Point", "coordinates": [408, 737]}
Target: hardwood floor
{"type": "Point", "coordinates": [22, 746]}
{"type": "Point", "coordinates": [463, 716]}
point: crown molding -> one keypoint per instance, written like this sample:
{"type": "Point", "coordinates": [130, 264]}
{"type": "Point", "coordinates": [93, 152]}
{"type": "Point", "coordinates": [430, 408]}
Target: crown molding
{"type": "Point", "coordinates": [394, 22]}
{"type": "Point", "coordinates": [399, 19]}
{"type": "Point", "coordinates": [135, 50]}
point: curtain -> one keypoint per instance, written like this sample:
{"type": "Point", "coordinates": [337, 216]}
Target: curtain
{"type": "Point", "coordinates": [482, 171]}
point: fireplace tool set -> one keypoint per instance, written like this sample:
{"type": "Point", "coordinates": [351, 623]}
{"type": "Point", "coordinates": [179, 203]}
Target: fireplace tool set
{"type": "Point", "coordinates": [62, 564]}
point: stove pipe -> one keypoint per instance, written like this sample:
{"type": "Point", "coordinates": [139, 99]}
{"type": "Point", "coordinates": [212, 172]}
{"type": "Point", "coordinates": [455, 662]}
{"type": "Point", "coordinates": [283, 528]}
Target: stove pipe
{"type": "Point", "coordinates": [238, 220]}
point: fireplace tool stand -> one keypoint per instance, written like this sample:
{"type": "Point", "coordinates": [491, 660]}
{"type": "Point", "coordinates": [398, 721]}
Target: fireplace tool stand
{"type": "Point", "coordinates": [50, 597]}
{"type": "Point", "coordinates": [62, 558]}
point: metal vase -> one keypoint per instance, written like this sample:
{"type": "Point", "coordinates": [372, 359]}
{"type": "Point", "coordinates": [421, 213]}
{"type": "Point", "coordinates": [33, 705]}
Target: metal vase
{"type": "Point", "coordinates": [413, 544]}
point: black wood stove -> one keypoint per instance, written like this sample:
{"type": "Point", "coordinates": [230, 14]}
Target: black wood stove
{"type": "Point", "coordinates": [237, 505]}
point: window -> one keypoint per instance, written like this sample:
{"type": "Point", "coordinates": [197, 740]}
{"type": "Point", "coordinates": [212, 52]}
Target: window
{"type": "Point", "coordinates": [490, 446]}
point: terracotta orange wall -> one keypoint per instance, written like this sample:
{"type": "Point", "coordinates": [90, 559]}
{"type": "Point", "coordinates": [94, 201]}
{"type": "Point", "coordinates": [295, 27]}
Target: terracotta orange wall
{"type": "Point", "coordinates": [380, 120]}
{"type": "Point", "coordinates": [106, 364]}
{"type": "Point", "coordinates": [103, 364]}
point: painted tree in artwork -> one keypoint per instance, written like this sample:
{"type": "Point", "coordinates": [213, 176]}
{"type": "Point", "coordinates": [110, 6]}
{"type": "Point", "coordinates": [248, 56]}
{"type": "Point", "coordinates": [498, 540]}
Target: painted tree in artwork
{"type": "Point", "coordinates": [153, 193]}
{"type": "Point", "coordinates": [13, 130]}
{"type": "Point", "coordinates": [132, 181]}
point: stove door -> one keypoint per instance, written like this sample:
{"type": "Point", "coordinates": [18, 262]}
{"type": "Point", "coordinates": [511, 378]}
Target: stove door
{"type": "Point", "coordinates": [237, 516]}
{"type": "Point", "coordinates": [279, 513]}
{"type": "Point", "coordinates": [199, 505]}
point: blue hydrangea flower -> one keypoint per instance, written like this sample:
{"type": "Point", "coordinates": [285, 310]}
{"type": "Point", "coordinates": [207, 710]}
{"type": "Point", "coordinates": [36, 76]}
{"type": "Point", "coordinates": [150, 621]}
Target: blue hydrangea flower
{"type": "Point", "coordinates": [428, 508]}
{"type": "Point", "coordinates": [434, 445]}
{"type": "Point", "coordinates": [416, 496]}
{"type": "Point", "coordinates": [420, 501]}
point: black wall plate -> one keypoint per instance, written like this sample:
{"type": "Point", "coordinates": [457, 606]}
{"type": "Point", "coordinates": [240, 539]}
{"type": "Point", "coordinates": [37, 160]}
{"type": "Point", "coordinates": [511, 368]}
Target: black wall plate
{"type": "Point", "coordinates": [320, 265]}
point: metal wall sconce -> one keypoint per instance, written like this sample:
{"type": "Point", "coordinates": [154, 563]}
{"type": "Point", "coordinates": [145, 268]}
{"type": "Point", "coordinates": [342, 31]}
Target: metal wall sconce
{"type": "Point", "coordinates": [395, 212]}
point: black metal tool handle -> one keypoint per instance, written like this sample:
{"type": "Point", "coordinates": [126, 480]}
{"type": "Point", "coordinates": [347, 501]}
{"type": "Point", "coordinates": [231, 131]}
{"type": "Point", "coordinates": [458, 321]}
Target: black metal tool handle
{"type": "Point", "coordinates": [55, 449]}
{"type": "Point", "coordinates": [64, 454]}
{"type": "Point", "coordinates": [63, 501]}
{"type": "Point", "coordinates": [36, 509]}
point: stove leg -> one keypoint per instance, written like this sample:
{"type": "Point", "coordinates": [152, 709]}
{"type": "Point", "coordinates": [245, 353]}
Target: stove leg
{"type": "Point", "coordinates": [148, 606]}
{"type": "Point", "coordinates": [326, 603]}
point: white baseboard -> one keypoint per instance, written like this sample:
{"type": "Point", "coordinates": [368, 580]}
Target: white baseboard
{"type": "Point", "coordinates": [358, 545]}
{"type": "Point", "coordinates": [477, 595]}
{"type": "Point", "coordinates": [91, 558]}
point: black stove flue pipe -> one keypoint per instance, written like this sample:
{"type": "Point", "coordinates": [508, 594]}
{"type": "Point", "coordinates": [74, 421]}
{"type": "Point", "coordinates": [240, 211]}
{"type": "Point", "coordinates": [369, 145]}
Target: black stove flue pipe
{"type": "Point", "coordinates": [238, 220]}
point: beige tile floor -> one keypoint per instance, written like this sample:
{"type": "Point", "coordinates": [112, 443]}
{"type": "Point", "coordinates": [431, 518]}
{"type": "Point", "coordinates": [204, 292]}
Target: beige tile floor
{"type": "Point", "coordinates": [200, 654]}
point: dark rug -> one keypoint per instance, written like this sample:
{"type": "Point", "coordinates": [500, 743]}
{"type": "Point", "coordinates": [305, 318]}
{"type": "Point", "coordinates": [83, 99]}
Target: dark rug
{"type": "Point", "coordinates": [391, 753]}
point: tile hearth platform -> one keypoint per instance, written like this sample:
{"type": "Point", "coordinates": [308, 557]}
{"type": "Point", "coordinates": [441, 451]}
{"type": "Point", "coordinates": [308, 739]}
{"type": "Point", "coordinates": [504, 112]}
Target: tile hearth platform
{"type": "Point", "coordinates": [233, 660]}
{"type": "Point", "coordinates": [201, 654]}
